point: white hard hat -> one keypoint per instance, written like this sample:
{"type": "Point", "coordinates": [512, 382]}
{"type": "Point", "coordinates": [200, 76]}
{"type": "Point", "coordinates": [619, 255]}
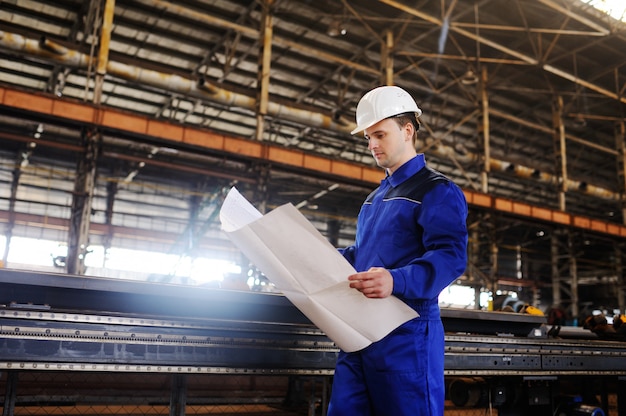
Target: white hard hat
{"type": "Point", "coordinates": [381, 103]}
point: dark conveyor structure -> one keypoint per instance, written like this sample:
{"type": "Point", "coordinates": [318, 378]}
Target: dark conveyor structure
{"type": "Point", "coordinates": [53, 324]}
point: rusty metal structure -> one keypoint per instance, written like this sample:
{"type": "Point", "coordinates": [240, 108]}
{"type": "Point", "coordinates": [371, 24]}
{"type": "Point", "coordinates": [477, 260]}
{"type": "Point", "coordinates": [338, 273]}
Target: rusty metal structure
{"type": "Point", "coordinates": [123, 122]}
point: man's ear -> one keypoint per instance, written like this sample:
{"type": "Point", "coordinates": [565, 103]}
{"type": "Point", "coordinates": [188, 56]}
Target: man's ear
{"type": "Point", "coordinates": [409, 131]}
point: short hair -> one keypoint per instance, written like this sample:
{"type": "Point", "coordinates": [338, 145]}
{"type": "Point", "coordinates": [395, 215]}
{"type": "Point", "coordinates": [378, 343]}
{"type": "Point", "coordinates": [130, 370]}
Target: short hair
{"type": "Point", "coordinates": [404, 118]}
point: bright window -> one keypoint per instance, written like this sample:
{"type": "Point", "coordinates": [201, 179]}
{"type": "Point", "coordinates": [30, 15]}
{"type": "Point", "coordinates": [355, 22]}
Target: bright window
{"type": "Point", "coordinates": [124, 263]}
{"type": "Point", "coordinates": [614, 8]}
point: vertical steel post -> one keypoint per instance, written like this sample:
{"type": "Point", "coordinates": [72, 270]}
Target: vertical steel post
{"type": "Point", "coordinates": [10, 394]}
{"type": "Point", "coordinates": [493, 275]}
{"type": "Point", "coordinates": [560, 149]}
{"type": "Point", "coordinates": [619, 272]}
{"type": "Point", "coordinates": [80, 216]}
{"type": "Point", "coordinates": [112, 188]}
{"type": "Point", "coordinates": [620, 144]}
{"type": "Point", "coordinates": [103, 52]}
{"type": "Point", "coordinates": [473, 259]}
{"type": "Point", "coordinates": [484, 175]}
{"type": "Point", "coordinates": [621, 396]}
{"type": "Point", "coordinates": [17, 173]}
{"type": "Point", "coordinates": [386, 59]}
{"type": "Point", "coordinates": [333, 230]}
{"type": "Point", "coordinates": [573, 273]}
{"type": "Point", "coordinates": [620, 141]}
{"type": "Point", "coordinates": [265, 59]}
{"type": "Point", "coordinates": [556, 275]}
{"type": "Point", "coordinates": [178, 396]}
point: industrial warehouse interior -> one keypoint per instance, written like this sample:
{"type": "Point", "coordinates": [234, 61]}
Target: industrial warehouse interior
{"type": "Point", "coordinates": [124, 124]}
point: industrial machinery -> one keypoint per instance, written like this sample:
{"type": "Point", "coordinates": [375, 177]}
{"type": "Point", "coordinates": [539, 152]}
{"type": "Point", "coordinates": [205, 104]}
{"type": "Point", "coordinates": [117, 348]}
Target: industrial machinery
{"type": "Point", "coordinates": [131, 330]}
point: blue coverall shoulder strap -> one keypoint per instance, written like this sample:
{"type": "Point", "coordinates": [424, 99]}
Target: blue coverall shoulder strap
{"type": "Point", "coordinates": [371, 196]}
{"type": "Point", "coordinates": [415, 187]}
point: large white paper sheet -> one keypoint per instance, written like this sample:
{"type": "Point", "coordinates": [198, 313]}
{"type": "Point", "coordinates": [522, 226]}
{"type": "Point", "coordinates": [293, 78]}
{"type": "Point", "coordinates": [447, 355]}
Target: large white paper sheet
{"type": "Point", "coordinates": [310, 272]}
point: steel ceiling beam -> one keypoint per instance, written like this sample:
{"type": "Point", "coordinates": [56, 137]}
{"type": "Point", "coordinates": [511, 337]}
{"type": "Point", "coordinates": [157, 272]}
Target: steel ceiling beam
{"type": "Point", "coordinates": [521, 56]}
{"type": "Point", "coordinates": [108, 119]}
{"type": "Point", "coordinates": [254, 34]}
{"type": "Point", "coordinates": [57, 53]}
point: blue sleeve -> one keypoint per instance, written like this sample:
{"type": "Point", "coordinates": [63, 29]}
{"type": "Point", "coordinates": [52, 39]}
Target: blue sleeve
{"type": "Point", "coordinates": [443, 217]}
{"type": "Point", "coordinates": [348, 254]}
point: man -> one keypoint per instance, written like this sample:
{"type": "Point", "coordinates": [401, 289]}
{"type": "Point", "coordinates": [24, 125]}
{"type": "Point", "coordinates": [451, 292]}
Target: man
{"type": "Point", "coordinates": [411, 242]}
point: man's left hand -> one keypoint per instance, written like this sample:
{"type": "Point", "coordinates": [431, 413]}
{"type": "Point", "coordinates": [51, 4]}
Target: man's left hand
{"type": "Point", "coordinates": [377, 282]}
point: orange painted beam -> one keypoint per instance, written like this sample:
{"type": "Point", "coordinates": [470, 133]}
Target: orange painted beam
{"type": "Point", "coordinates": [48, 222]}
{"type": "Point", "coordinates": [543, 214]}
{"type": "Point", "coordinates": [96, 116]}
{"type": "Point", "coordinates": [64, 108]}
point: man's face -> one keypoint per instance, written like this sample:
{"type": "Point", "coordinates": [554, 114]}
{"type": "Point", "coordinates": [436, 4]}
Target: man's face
{"type": "Point", "coordinates": [391, 145]}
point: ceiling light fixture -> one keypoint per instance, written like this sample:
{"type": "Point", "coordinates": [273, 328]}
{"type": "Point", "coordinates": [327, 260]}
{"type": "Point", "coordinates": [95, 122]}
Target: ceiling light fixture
{"type": "Point", "coordinates": [336, 28]}
{"type": "Point", "coordinates": [469, 78]}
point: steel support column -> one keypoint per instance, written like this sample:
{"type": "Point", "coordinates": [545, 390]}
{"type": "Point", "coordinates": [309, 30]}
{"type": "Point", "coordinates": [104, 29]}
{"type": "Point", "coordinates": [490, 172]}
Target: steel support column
{"type": "Point", "coordinates": [556, 275]}
{"type": "Point", "coordinates": [621, 284]}
{"type": "Point", "coordinates": [10, 394]}
{"type": "Point", "coordinates": [621, 396]}
{"type": "Point", "coordinates": [475, 278]}
{"type": "Point", "coordinates": [103, 53]}
{"type": "Point", "coordinates": [21, 161]}
{"type": "Point", "coordinates": [78, 238]}
{"type": "Point", "coordinates": [493, 274]}
{"type": "Point", "coordinates": [265, 59]}
{"type": "Point", "coordinates": [573, 274]}
{"type": "Point", "coordinates": [560, 149]}
{"type": "Point", "coordinates": [484, 175]}
{"type": "Point", "coordinates": [333, 229]}
{"type": "Point", "coordinates": [386, 59]}
{"type": "Point", "coordinates": [112, 188]}
{"type": "Point", "coordinates": [178, 397]}
{"type": "Point", "coordinates": [263, 170]}
{"type": "Point", "coordinates": [620, 144]}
